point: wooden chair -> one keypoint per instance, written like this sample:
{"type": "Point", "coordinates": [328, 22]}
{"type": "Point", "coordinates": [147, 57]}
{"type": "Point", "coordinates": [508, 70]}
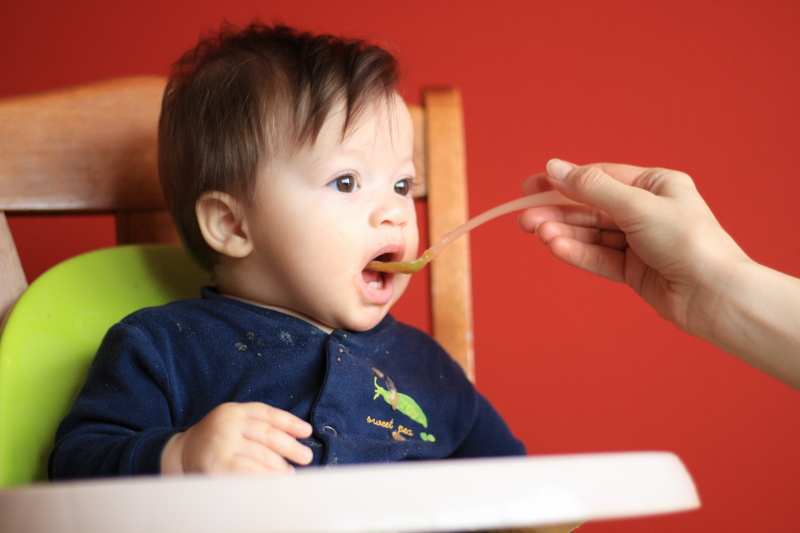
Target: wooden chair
{"type": "Point", "coordinates": [93, 149]}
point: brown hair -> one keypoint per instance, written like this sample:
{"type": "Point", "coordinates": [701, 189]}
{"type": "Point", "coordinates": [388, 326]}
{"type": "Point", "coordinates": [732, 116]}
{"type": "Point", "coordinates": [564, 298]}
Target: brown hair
{"type": "Point", "coordinates": [241, 96]}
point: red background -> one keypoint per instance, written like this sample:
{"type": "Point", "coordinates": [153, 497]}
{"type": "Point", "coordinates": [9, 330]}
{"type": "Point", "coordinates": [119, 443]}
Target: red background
{"type": "Point", "coordinates": [574, 363]}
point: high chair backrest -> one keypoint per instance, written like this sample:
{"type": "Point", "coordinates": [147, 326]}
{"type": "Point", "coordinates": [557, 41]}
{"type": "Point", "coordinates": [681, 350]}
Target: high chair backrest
{"type": "Point", "coordinates": [93, 149]}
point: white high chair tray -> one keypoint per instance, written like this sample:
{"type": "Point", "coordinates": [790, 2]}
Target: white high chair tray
{"type": "Point", "coordinates": [420, 496]}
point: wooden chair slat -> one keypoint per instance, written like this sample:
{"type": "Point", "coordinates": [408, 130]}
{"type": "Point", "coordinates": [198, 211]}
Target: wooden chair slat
{"type": "Point", "coordinates": [420, 189]}
{"type": "Point", "coordinates": [451, 277]}
{"type": "Point", "coordinates": [13, 282]}
{"type": "Point", "coordinates": [146, 227]}
{"type": "Point", "coordinates": [65, 150]}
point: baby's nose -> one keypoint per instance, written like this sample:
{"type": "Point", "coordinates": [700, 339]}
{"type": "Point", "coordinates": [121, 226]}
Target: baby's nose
{"type": "Point", "coordinates": [391, 210]}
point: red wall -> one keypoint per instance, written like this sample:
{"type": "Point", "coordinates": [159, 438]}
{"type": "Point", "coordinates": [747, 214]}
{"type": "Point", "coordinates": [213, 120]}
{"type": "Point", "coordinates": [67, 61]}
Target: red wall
{"type": "Point", "coordinates": [575, 363]}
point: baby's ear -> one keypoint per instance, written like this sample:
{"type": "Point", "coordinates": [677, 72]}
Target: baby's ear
{"type": "Point", "coordinates": [223, 225]}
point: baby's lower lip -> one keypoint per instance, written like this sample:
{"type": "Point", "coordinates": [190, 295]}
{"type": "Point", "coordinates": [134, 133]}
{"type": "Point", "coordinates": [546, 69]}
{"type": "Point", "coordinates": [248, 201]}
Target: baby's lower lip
{"type": "Point", "coordinates": [378, 287]}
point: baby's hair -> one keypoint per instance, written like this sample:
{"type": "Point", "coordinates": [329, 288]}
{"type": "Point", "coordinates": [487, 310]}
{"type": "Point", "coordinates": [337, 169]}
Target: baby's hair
{"type": "Point", "coordinates": [243, 96]}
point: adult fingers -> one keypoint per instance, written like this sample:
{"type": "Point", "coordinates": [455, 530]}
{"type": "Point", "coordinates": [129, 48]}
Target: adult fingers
{"type": "Point", "coordinates": [280, 442]}
{"type": "Point", "coordinates": [606, 262]}
{"type": "Point", "coordinates": [665, 182]}
{"type": "Point", "coordinates": [627, 174]}
{"type": "Point", "coordinates": [592, 185]}
{"type": "Point", "coordinates": [574, 215]}
{"type": "Point", "coordinates": [609, 239]}
{"type": "Point", "coordinates": [536, 184]}
{"type": "Point", "coordinates": [279, 418]}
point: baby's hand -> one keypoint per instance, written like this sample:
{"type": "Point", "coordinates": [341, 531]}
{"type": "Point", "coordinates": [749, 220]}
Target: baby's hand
{"type": "Point", "coordinates": [239, 437]}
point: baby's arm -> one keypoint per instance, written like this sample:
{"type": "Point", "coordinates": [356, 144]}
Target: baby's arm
{"type": "Point", "coordinates": [489, 435]}
{"type": "Point", "coordinates": [129, 412]}
{"type": "Point", "coordinates": [239, 437]}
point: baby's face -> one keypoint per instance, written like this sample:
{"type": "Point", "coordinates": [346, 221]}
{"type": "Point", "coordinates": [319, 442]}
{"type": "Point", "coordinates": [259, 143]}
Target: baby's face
{"type": "Point", "coordinates": [320, 216]}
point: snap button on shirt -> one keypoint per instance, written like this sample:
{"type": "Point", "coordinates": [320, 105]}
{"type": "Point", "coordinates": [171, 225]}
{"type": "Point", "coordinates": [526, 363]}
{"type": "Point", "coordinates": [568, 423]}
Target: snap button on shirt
{"type": "Point", "coordinates": [330, 430]}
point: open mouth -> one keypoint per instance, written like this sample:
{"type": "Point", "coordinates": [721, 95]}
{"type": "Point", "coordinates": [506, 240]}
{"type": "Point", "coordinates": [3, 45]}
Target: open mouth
{"type": "Point", "coordinates": [377, 280]}
{"type": "Point", "coordinates": [379, 286]}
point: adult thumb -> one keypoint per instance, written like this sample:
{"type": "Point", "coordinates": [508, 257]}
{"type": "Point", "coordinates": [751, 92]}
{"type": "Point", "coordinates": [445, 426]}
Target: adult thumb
{"type": "Point", "coordinates": [590, 185]}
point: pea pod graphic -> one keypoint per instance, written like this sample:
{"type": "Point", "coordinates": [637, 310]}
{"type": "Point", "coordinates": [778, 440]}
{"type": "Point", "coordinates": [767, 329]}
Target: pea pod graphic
{"type": "Point", "coordinates": [405, 404]}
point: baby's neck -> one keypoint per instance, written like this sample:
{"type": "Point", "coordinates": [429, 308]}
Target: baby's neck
{"type": "Point", "coordinates": [283, 310]}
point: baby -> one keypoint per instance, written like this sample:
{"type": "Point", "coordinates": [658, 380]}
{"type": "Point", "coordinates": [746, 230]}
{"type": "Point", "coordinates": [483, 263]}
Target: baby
{"type": "Point", "coordinates": [286, 161]}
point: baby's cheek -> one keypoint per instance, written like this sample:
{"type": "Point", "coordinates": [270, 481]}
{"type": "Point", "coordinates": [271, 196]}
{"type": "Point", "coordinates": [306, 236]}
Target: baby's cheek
{"type": "Point", "coordinates": [412, 237]}
{"type": "Point", "coordinates": [401, 282]}
{"type": "Point", "coordinates": [412, 245]}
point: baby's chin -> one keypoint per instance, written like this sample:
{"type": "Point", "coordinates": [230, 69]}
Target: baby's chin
{"type": "Point", "coordinates": [363, 318]}
{"type": "Point", "coordinates": [359, 324]}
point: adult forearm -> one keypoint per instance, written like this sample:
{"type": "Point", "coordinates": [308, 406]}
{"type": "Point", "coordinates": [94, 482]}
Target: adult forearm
{"type": "Point", "coordinates": [756, 318]}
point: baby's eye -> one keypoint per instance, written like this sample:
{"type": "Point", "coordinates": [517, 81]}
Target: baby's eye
{"type": "Point", "coordinates": [403, 187]}
{"type": "Point", "coordinates": [346, 183]}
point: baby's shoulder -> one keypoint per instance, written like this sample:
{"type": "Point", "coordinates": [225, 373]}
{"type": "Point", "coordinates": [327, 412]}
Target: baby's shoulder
{"type": "Point", "coordinates": [193, 309]}
{"type": "Point", "coordinates": [181, 321]}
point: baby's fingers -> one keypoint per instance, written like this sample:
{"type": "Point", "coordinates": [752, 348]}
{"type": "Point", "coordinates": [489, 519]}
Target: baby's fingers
{"type": "Point", "coordinates": [547, 231]}
{"type": "Point", "coordinates": [255, 458]}
{"type": "Point", "coordinates": [278, 441]}
{"type": "Point", "coordinates": [278, 418]}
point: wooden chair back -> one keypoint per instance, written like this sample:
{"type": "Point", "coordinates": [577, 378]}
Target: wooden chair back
{"type": "Point", "coordinates": [92, 148]}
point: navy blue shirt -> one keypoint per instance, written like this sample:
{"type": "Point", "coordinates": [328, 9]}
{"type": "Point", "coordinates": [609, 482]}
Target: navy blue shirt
{"type": "Point", "coordinates": [161, 370]}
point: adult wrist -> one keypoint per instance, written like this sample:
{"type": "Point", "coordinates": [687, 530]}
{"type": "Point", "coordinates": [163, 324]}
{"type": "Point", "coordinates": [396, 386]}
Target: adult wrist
{"type": "Point", "coordinates": [759, 322]}
{"type": "Point", "coordinates": [714, 311]}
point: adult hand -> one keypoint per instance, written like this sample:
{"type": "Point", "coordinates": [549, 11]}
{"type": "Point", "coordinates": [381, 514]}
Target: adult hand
{"type": "Point", "coordinates": [646, 227]}
{"type": "Point", "coordinates": [239, 437]}
{"type": "Point", "coordinates": [649, 228]}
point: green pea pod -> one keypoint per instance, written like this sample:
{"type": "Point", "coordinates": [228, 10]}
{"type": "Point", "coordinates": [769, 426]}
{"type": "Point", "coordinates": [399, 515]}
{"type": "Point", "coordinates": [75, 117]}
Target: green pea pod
{"type": "Point", "coordinates": [405, 404]}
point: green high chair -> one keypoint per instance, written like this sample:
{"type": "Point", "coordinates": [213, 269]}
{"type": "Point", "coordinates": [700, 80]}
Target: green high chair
{"type": "Point", "coordinates": [53, 333]}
